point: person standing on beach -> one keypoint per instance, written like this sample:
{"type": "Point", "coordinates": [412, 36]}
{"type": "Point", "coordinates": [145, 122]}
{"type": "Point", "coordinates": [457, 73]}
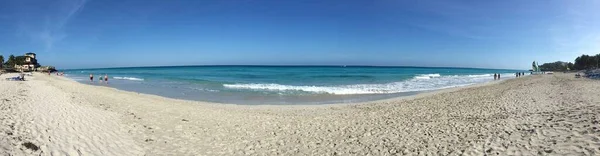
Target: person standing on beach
{"type": "Point", "coordinates": [91, 77]}
{"type": "Point", "coordinates": [498, 76]}
{"type": "Point", "coordinates": [495, 76]}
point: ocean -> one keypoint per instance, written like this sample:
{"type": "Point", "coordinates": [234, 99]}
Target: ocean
{"type": "Point", "coordinates": [286, 84]}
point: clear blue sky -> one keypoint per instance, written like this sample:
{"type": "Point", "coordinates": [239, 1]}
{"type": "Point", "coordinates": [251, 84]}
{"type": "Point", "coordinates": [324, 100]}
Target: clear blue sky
{"type": "Point", "coordinates": [112, 33]}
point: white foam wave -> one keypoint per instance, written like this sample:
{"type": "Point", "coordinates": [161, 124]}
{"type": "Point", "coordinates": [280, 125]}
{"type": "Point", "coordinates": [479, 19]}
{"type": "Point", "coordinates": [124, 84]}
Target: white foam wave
{"type": "Point", "coordinates": [427, 76]}
{"type": "Point", "coordinates": [128, 78]}
{"type": "Point", "coordinates": [79, 78]}
{"type": "Point", "coordinates": [418, 83]}
{"type": "Point", "coordinates": [482, 75]}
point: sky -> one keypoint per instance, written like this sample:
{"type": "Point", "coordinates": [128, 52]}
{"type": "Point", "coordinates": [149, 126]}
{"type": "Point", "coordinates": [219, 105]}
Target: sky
{"type": "Point", "coordinates": [507, 34]}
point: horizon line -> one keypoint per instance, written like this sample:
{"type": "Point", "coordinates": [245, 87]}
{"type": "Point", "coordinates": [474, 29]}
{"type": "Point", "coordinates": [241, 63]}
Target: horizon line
{"type": "Point", "coordinates": [232, 65]}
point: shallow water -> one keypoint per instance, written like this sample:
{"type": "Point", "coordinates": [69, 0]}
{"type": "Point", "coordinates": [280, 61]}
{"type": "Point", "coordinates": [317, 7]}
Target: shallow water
{"type": "Point", "coordinates": [286, 84]}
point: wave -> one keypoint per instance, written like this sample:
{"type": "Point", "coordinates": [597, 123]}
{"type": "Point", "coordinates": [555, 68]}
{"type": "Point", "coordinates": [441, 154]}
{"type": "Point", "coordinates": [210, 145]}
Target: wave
{"type": "Point", "coordinates": [78, 78]}
{"type": "Point", "coordinates": [418, 83]}
{"type": "Point", "coordinates": [482, 75]}
{"type": "Point", "coordinates": [427, 76]}
{"type": "Point", "coordinates": [129, 78]}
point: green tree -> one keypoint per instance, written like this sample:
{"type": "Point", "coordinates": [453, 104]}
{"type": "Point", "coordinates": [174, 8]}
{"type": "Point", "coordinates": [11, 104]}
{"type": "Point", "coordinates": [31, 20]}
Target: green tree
{"type": "Point", "coordinates": [584, 62]}
{"type": "Point", "coordinates": [1, 60]}
{"type": "Point", "coordinates": [20, 60]}
{"type": "Point", "coordinates": [555, 66]}
{"type": "Point", "coordinates": [597, 60]}
{"type": "Point", "coordinates": [570, 66]}
{"type": "Point", "coordinates": [11, 61]}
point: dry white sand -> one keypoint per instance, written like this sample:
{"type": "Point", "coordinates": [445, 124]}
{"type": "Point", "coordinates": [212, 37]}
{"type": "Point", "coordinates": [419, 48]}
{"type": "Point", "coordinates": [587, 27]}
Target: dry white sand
{"type": "Point", "coordinates": [48, 118]}
{"type": "Point", "coordinates": [534, 115]}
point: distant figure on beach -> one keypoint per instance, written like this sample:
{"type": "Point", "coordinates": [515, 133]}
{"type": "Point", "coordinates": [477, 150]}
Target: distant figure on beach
{"type": "Point", "coordinates": [498, 76]}
{"type": "Point", "coordinates": [106, 78]}
{"type": "Point", "coordinates": [495, 76]}
{"type": "Point", "coordinates": [91, 77]}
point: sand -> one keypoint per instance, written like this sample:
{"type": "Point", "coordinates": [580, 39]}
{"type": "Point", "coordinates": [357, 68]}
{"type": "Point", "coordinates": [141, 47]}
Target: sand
{"type": "Point", "coordinates": [533, 115]}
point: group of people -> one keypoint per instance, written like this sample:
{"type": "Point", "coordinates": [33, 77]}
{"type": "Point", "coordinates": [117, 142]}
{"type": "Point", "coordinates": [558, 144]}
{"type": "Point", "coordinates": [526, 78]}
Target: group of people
{"type": "Point", "coordinates": [518, 74]}
{"type": "Point", "coordinates": [100, 78]}
{"type": "Point", "coordinates": [496, 76]}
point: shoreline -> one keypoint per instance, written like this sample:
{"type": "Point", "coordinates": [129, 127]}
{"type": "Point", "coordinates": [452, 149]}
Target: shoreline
{"type": "Point", "coordinates": [274, 85]}
{"type": "Point", "coordinates": [409, 95]}
{"type": "Point", "coordinates": [552, 114]}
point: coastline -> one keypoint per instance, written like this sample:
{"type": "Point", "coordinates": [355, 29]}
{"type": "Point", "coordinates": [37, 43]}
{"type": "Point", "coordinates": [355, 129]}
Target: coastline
{"type": "Point", "coordinates": [406, 95]}
{"type": "Point", "coordinates": [286, 85]}
{"type": "Point", "coordinates": [495, 117]}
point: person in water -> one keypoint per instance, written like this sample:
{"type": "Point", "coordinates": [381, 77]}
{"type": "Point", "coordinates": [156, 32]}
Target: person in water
{"type": "Point", "coordinates": [106, 78]}
{"type": "Point", "coordinates": [498, 76]}
{"type": "Point", "coordinates": [91, 77]}
{"type": "Point", "coordinates": [495, 76]}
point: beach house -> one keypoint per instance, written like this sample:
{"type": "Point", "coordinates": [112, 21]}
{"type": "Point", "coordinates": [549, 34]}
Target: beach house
{"type": "Point", "coordinates": [29, 62]}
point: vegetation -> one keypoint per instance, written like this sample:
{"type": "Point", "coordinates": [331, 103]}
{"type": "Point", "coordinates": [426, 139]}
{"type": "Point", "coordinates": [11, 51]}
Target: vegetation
{"type": "Point", "coordinates": [10, 62]}
{"type": "Point", "coordinates": [1, 59]}
{"type": "Point", "coordinates": [584, 62]}
{"type": "Point", "coordinates": [557, 66]}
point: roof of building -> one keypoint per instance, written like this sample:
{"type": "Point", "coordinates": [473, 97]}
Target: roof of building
{"type": "Point", "coordinates": [29, 53]}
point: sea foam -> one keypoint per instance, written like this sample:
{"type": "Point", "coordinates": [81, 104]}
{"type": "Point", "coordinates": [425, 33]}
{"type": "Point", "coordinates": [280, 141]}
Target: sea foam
{"type": "Point", "coordinates": [423, 82]}
{"type": "Point", "coordinates": [129, 78]}
{"type": "Point", "coordinates": [427, 76]}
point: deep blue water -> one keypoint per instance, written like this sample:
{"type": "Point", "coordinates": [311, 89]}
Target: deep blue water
{"type": "Point", "coordinates": [286, 84]}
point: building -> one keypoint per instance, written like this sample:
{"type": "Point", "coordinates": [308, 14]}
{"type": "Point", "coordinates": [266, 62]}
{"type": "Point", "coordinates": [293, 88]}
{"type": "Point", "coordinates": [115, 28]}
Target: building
{"type": "Point", "coordinates": [30, 57]}
{"type": "Point", "coordinates": [29, 64]}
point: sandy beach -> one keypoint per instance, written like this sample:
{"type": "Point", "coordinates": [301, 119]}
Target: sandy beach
{"type": "Point", "coordinates": [534, 115]}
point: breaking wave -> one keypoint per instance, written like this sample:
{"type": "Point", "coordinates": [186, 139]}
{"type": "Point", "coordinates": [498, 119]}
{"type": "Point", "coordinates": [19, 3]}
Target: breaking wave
{"type": "Point", "coordinates": [129, 78]}
{"type": "Point", "coordinates": [423, 82]}
{"type": "Point", "coordinates": [427, 76]}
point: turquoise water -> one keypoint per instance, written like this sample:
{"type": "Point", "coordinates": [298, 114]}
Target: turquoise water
{"type": "Point", "coordinates": [286, 84]}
